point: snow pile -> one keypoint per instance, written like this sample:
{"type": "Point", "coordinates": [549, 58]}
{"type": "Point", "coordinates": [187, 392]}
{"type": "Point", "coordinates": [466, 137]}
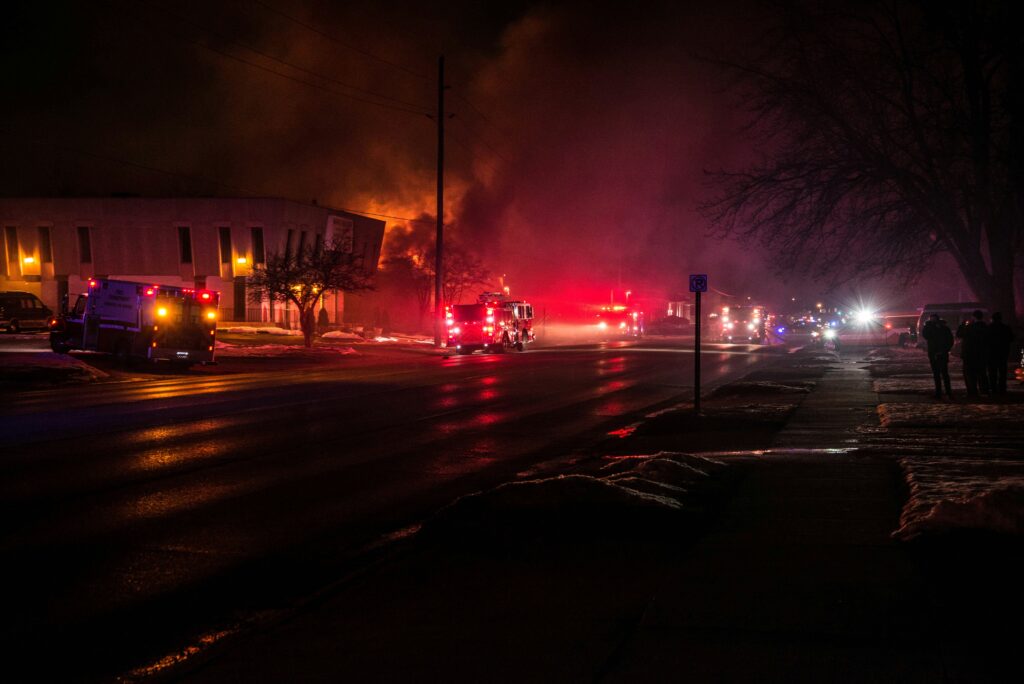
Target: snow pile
{"type": "Point", "coordinates": [737, 389]}
{"type": "Point", "coordinates": [271, 350]}
{"type": "Point", "coordinates": [252, 330]}
{"type": "Point", "coordinates": [883, 354]}
{"type": "Point", "coordinates": [923, 384]}
{"type": "Point", "coordinates": [1009, 416]}
{"type": "Point", "coordinates": [31, 368]}
{"type": "Point", "coordinates": [908, 384]}
{"type": "Point", "coordinates": [753, 413]}
{"type": "Point", "coordinates": [632, 495]}
{"type": "Point", "coordinates": [948, 494]}
{"type": "Point", "coordinates": [342, 335]}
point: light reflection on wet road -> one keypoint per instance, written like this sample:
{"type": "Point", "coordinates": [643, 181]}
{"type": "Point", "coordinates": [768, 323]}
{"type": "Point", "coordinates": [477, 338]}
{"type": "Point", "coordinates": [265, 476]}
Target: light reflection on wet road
{"type": "Point", "coordinates": [171, 498]}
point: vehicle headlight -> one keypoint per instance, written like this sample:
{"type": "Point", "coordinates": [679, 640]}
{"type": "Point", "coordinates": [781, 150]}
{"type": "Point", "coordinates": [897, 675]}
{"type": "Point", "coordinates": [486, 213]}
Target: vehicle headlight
{"type": "Point", "coordinates": [750, 326]}
{"type": "Point", "coordinates": [830, 334]}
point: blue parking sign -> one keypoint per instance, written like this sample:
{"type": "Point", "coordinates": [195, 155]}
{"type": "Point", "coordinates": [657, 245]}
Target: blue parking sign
{"type": "Point", "coordinates": [699, 282]}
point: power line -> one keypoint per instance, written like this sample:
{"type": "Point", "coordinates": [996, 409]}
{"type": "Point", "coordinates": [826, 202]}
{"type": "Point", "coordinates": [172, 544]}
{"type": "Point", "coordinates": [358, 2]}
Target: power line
{"type": "Point", "coordinates": [338, 41]}
{"type": "Point", "coordinates": [255, 65]}
{"type": "Point", "coordinates": [488, 120]}
{"type": "Point", "coordinates": [291, 65]}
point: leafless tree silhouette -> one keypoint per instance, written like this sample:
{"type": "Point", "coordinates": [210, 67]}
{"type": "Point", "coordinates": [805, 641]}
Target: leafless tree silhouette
{"type": "Point", "coordinates": [889, 133]}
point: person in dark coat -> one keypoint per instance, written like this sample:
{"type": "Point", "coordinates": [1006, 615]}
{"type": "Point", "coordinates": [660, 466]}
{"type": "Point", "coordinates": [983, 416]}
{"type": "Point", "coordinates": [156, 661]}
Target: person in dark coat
{"type": "Point", "coordinates": [1000, 338]}
{"type": "Point", "coordinates": [940, 341]}
{"type": "Point", "coordinates": [974, 352]}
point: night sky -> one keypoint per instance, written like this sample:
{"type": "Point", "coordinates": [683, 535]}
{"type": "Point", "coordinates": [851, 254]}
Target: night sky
{"type": "Point", "coordinates": [577, 146]}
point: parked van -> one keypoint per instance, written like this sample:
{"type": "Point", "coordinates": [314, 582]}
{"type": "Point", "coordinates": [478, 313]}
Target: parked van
{"type": "Point", "coordinates": [953, 314]}
{"type": "Point", "coordinates": [23, 311]}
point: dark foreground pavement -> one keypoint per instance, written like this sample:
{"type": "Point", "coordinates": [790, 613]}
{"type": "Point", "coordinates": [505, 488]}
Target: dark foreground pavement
{"type": "Point", "coordinates": [795, 577]}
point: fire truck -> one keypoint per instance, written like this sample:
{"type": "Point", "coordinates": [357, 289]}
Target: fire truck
{"type": "Point", "coordinates": [619, 320]}
{"type": "Point", "coordinates": [495, 323]}
{"type": "Point", "coordinates": [139, 321]}
{"type": "Point", "coordinates": [741, 324]}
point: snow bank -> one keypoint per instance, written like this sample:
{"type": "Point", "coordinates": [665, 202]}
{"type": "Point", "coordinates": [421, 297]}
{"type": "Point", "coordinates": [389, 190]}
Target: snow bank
{"type": "Point", "coordinates": [253, 330]}
{"type": "Point", "coordinates": [737, 389]}
{"type": "Point", "coordinates": [270, 350]}
{"type": "Point", "coordinates": [908, 384]}
{"type": "Point", "coordinates": [948, 494]}
{"type": "Point", "coordinates": [923, 384]}
{"type": "Point", "coordinates": [633, 495]}
{"type": "Point", "coordinates": [1009, 416]}
{"type": "Point", "coordinates": [907, 354]}
{"type": "Point", "coordinates": [45, 368]}
{"type": "Point", "coordinates": [341, 335]}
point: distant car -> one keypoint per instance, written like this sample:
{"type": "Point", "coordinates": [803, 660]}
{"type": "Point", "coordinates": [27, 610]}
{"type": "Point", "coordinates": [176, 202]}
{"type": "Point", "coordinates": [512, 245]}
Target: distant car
{"type": "Point", "coordinates": [23, 311]}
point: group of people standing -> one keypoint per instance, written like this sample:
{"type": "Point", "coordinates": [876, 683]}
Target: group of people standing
{"type": "Point", "coordinates": [984, 349]}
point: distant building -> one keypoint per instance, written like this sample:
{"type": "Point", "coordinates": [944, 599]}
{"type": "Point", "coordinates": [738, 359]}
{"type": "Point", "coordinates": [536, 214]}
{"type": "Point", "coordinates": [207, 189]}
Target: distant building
{"type": "Point", "coordinates": [52, 246]}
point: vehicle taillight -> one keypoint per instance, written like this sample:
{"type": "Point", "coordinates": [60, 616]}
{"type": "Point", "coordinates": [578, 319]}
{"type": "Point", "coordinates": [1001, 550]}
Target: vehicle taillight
{"type": "Point", "coordinates": [92, 283]}
{"type": "Point", "coordinates": [150, 291]}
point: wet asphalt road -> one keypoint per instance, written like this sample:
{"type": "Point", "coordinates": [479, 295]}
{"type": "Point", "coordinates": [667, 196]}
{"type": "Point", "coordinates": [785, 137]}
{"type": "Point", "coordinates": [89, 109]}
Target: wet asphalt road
{"type": "Point", "coordinates": [138, 517]}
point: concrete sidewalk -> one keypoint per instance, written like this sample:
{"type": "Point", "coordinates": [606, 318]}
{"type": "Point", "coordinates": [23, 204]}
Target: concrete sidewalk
{"type": "Point", "coordinates": [798, 579]}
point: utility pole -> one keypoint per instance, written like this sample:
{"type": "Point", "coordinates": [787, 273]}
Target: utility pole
{"type": "Point", "coordinates": [696, 360]}
{"type": "Point", "coordinates": [439, 320]}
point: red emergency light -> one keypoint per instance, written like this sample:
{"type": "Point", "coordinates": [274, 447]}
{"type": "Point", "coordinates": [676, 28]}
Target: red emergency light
{"type": "Point", "coordinates": [205, 295]}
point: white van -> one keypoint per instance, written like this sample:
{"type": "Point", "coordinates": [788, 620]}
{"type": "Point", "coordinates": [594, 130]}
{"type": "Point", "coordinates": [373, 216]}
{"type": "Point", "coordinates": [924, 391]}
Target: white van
{"type": "Point", "coordinates": [953, 314]}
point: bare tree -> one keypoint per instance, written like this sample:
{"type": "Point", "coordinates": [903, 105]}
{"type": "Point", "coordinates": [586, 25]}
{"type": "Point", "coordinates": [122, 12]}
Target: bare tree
{"type": "Point", "coordinates": [304, 277]}
{"type": "Point", "coordinates": [890, 133]}
{"type": "Point", "coordinates": [462, 271]}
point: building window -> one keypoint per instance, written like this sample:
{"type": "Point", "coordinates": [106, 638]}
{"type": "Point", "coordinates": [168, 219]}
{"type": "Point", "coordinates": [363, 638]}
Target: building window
{"type": "Point", "coordinates": [12, 243]}
{"type": "Point", "coordinates": [302, 242]}
{"type": "Point", "coordinates": [185, 244]}
{"type": "Point", "coordinates": [225, 245]}
{"type": "Point", "coordinates": [258, 255]}
{"type": "Point", "coordinates": [84, 245]}
{"type": "Point", "coordinates": [288, 243]}
{"type": "Point", "coordinates": [45, 246]}
{"type": "Point", "coordinates": [319, 243]}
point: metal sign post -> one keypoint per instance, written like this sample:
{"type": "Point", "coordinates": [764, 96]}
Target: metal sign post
{"type": "Point", "coordinates": [698, 284]}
